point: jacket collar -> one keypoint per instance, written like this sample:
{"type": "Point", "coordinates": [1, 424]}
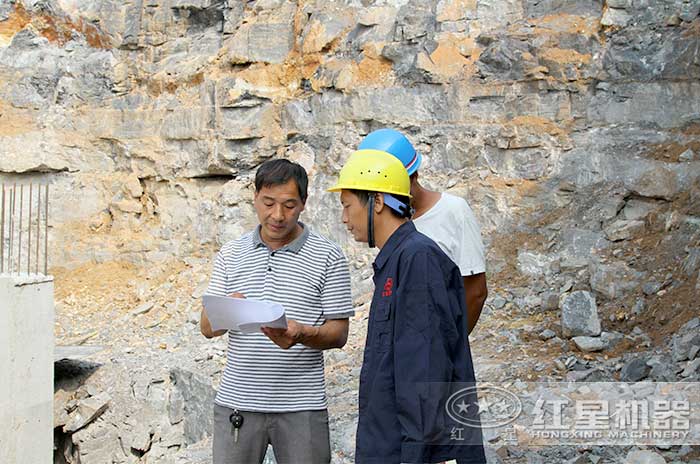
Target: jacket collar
{"type": "Point", "coordinates": [393, 242]}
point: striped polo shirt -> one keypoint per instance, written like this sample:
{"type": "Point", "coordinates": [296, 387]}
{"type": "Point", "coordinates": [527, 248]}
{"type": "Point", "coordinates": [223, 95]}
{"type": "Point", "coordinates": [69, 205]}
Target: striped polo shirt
{"type": "Point", "coordinates": [310, 278]}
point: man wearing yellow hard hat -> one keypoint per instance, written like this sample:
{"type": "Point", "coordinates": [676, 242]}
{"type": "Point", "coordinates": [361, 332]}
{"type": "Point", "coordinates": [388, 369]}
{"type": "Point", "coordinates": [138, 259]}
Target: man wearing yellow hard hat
{"type": "Point", "coordinates": [417, 351]}
{"type": "Point", "coordinates": [445, 218]}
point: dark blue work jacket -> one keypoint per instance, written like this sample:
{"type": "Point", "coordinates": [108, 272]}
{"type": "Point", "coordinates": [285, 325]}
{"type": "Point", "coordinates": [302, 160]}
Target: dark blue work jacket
{"type": "Point", "coordinates": [416, 352]}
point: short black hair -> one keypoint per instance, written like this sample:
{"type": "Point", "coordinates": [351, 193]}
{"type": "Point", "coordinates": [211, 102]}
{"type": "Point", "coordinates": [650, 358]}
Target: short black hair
{"type": "Point", "coordinates": [279, 172]}
{"type": "Point", "coordinates": [363, 196]}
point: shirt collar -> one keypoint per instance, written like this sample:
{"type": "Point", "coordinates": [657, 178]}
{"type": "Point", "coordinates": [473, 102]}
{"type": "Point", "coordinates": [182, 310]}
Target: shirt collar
{"type": "Point", "coordinates": [295, 246]}
{"type": "Point", "coordinates": [393, 242]}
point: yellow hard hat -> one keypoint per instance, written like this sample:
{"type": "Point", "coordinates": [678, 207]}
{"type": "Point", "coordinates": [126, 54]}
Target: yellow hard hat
{"type": "Point", "coordinates": [374, 171]}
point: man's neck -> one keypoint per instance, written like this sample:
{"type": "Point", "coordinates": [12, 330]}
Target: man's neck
{"type": "Point", "coordinates": [276, 244]}
{"type": "Point", "coordinates": [386, 229]}
{"type": "Point", "coordinates": [423, 200]}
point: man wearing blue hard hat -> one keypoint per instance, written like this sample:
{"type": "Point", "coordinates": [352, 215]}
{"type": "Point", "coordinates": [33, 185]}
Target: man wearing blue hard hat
{"type": "Point", "coordinates": [445, 218]}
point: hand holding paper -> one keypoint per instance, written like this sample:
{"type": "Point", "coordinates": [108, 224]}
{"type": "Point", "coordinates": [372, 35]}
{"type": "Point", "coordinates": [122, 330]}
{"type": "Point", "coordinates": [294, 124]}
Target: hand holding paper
{"type": "Point", "coordinates": [245, 315]}
{"type": "Point", "coordinates": [286, 338]}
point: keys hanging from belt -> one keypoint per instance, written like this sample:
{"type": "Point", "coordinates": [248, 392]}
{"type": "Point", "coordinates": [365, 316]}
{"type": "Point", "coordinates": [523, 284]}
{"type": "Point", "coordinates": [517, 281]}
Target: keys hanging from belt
{"type": "Point", "coordinates": [237, 422]}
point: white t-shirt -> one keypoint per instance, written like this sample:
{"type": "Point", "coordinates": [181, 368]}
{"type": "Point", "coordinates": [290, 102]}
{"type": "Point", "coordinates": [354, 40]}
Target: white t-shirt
{"type": "Point", "coordinates": [452, 225]}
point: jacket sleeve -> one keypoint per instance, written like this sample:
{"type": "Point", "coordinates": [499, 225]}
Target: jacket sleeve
{"type": "Point", "coordinates": [426, 336]}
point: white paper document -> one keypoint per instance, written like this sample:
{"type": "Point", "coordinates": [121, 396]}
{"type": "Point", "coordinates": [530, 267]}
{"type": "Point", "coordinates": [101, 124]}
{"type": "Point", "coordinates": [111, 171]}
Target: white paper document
{"type": "Point", "coordinates": [242, 314]}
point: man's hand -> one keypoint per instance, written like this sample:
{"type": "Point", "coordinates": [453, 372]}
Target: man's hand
{"type": "Point", "coordinates": [205, 325]}
{"type": "Point", "coordinates": [293, 334]}
{"type": "Point", "coordinates": [331, 334]}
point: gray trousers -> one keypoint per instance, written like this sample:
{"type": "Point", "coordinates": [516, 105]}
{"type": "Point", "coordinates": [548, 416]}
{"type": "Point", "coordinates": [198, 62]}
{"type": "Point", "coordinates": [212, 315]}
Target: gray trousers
{"type": "Point", "coordinates": [296, 437]}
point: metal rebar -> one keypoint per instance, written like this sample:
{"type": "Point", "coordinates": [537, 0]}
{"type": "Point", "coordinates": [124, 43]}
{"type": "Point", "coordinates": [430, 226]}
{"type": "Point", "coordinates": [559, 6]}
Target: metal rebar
{"type": "Point", "coordinates": [9, 229]}
{"type": "Point", "coordinates": [29, 232]}
{"type": "Point", "coordinates": [46, 232]}
{"type": "Point", "coordinates": [2, 231]}
{"type": "Point", "coordinates": [19, 229]}
{"type": "Point", "coordinates": [10, 263]}
{"type": "Point", "coordinates": [38, 221]}
{"type": "Point", "coordinates": [15, 217]}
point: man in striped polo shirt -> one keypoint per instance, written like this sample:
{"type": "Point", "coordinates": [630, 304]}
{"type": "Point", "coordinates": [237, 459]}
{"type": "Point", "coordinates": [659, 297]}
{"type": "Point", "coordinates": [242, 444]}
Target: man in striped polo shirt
{"type": "Point", "coordinates": [274, 380]}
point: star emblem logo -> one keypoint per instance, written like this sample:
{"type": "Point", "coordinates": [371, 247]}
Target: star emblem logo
{"type": "Point", "coordinates": [462, 407]}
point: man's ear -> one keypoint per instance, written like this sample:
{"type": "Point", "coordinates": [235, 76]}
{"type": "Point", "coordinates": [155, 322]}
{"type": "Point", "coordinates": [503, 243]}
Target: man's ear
{"type": "Point", "coordinates": [378, 202]}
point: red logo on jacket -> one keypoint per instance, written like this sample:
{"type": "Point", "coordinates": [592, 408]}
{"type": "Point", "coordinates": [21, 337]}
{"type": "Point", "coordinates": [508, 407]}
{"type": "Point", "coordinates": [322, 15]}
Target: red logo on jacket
{"type": "Point", "coordinates": [387, 286]}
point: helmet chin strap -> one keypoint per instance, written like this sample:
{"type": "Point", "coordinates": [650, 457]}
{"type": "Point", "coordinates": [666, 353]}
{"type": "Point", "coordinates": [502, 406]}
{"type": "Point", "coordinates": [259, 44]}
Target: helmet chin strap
{"type": "Point", "coordinates": [370, 221]}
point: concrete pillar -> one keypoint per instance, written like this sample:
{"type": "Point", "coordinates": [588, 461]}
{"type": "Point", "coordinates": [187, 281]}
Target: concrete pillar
{"type": "Point", "coordinates": [26, 368]}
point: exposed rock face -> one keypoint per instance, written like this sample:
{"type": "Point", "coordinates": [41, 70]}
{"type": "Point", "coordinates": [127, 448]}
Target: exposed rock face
{"type": "Point", "coordinates": [153, 116]}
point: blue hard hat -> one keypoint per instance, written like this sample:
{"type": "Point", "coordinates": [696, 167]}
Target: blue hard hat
{"type": "Point", "coordinates": [394, 142]}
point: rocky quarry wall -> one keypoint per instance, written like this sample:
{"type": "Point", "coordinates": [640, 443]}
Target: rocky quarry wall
{"type": "Point", "coordinates": [572, 127]}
